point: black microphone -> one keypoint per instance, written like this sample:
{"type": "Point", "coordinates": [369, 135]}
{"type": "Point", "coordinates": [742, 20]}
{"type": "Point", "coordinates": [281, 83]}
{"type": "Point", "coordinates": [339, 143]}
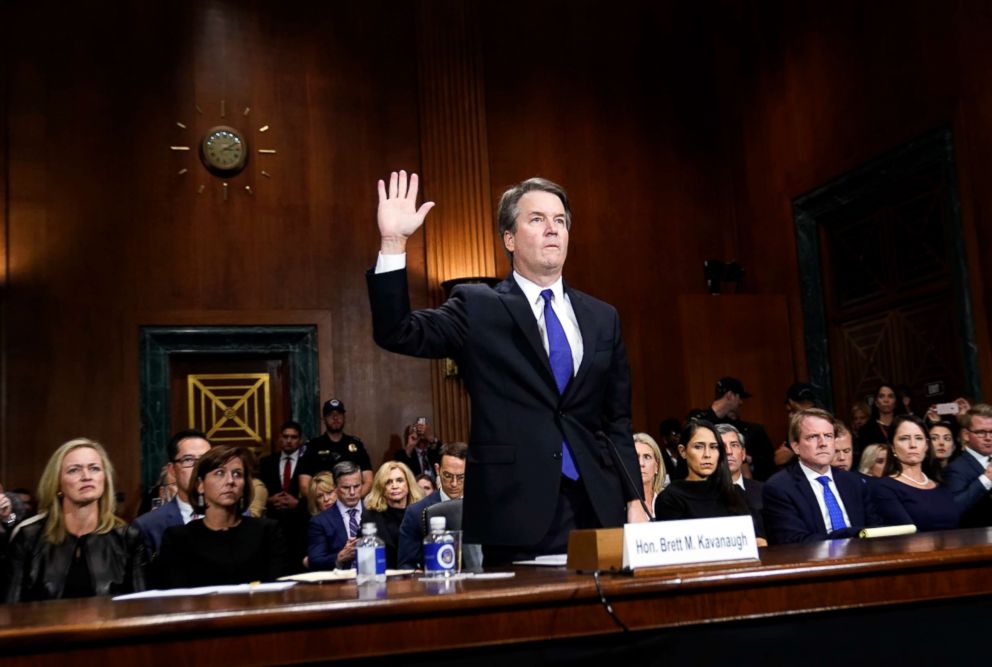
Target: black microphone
{"type": "Point", "coordinates": [638, 488]}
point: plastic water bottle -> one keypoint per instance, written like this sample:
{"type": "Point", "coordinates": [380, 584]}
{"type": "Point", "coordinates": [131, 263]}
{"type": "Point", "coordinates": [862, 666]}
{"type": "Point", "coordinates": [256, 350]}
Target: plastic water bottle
{"type": "Point", "coordinates": [371, 557]}
{"type": "Point", "coordinates": [440, 552]}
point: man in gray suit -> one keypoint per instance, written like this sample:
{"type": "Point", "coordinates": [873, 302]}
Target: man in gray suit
{"type": "Point", "coordinates": [969, 475]}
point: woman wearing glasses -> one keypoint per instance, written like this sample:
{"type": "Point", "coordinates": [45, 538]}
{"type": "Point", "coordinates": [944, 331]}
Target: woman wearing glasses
{"type": "Point", "coordinates": [225, 546]}
{"type": "Point", "coordinates": [76, 547]}
{"type": "Point", "coordinates": [909, 491]}
{"type": "Point", "coordinates": [393, 489]}
{"type": "Point", "coordinates": [969, 475]}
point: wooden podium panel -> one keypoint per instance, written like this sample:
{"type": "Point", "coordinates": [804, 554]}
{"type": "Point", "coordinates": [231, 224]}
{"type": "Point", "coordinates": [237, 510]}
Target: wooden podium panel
{"type": "Point", "coordinates": [335, 621]}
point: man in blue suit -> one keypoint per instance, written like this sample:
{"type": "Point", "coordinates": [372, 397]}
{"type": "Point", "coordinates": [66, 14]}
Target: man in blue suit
{"type": "Point", "coordinates": [809, 500]}
{"type": "Point", "coordinates": [451, 474]}
{"type": "Point", "coordinates": [184, 449]}
{"type": "Point", "coordinates": [333, 534]}
{"type": "Point", "coordinates": [969, 475]}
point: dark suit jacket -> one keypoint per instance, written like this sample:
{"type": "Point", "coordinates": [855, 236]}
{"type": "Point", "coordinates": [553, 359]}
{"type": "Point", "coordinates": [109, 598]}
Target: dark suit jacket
{"type": "Point", "coordinates": [793, 515]}
{"type": "Point", "coordinates": [293, 522]}
{"type": "Point", "coordinates": [413, 463]}
{"type": "Point", "coordinates": [753, 493]}
{"type": "Point", "coordinates": [153, 524]}
{"type": "Point", "coordinates": [519, 419]}
{"type": "Point", "coordinates": [972, 499]}
{"type": "Point", "coordinates": [410, 552]}
{"type": "Point", "coordinates": [326, 537]}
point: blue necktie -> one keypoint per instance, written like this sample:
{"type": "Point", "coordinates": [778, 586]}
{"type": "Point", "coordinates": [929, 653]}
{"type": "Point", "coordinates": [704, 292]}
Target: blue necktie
{"type": "Point", "coordinates": [833, 507]}
{"type": "Point", "coordinates": [560, 356]}
{"type": "Point", "coordinates": [353, 522]}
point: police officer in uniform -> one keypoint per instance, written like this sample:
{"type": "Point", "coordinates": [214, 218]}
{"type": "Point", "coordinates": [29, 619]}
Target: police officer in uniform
{"type": "Point", "coordinates": [334, 446]}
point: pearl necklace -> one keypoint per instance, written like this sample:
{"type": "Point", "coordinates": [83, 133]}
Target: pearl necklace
{"type": "Point", "coordinates": [925, 481]}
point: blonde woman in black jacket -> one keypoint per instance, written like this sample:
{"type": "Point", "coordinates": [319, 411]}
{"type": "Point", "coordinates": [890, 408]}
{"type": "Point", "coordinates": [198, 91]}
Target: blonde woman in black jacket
{"type": "Point", "coordinates": [76, 546]}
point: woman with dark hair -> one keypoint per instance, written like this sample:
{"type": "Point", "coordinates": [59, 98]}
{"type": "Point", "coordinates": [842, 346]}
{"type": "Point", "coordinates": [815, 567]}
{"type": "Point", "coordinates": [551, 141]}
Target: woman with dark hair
{"type": "Point", "coordinates": [884, 409]}
{"type": "Point", "coordinates": [76, 547]}
{"type": "Point", "coordinates": [910, 490]}
{"type": "Point", "coordinates": [943, 441]}
{"type": "Point", "coordinates": [708, 489]}
{"type": "Point", "coordinates": [225, 546]}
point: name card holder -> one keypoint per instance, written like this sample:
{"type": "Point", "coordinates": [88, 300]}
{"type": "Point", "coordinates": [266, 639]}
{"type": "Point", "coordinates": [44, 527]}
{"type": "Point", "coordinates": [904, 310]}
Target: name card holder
{"type": "Point", "coordinates": [664, 543]}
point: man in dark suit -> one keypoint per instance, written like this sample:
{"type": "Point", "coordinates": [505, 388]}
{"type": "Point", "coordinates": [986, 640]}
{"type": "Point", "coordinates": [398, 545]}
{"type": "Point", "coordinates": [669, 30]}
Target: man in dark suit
{"type": "Point", "coordinates": [333, 534]}
{"type": "Point", "coordinates": [451, 475]}
{"type": "Point", "coordinates": [281, 475]}
{"type": "Point", "coordinates": [969, 475]}
{"type": "Point", "coordinates": [809, 500]}
{"type": "Point", "coordinates": [734, 445]}
{"type": "Point", "coordinates": [544, 365]}
{"type": "Point", "coordinates": [184, 449]}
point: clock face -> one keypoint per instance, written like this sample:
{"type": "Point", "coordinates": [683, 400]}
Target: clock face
{"type": "Point", "coordinates": [223, 150]}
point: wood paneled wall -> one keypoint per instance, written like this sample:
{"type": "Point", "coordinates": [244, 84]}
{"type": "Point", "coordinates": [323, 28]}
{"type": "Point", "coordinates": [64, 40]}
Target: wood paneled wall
{"type": "Point", "coordinates": [681, 131]}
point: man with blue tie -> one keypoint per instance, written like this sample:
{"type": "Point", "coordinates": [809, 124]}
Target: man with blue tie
{"type": "Point", "coordinates": [810, 501]}
{"type": "Point", "coordinates": [334, 533]}
{"type": "Point", "coordinates": [544, 365]}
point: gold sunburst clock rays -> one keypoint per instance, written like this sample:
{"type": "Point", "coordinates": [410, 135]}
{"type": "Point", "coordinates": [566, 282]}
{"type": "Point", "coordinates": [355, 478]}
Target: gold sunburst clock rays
{"type": "Point", "coordinates": [224, 151]}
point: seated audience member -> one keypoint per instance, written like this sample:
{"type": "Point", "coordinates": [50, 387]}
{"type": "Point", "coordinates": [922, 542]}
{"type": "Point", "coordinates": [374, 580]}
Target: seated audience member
{"type": "Point", "coordinates": [393, 490]}
{"type": "Point", "coordinates": [809, 500]}
{"type": "Point", "coordinates": [75, 547]}
{"type": "Point", "coordinates": [969, 475]}
{"type": "Point", "coordinates": [707, 491]}
{"type": "Point", "coordinates": [872, 464]}
{"type": "Point", "coordinates": [943, 441]}
{"type": "Point", "coordinates": [451, 475]}
{"type": "Point", "coordinates": [652, 467]}
{"type": "Point", "coordinates": [843, 447]}
{"type": "Point", "coordinates": [909, 491]}
{"type": "Point", "coordinates": [280, 473]}
{"type": "Point", "coordinates": [884, 409]}
{"type": "Point", "coordinates": [322, 493]}
{"type": "Point", "coordinates": [333, 533]}
{"type": "Point", "coordinates": [426, 484]}
{"type": "Point", "coordinates": [736, 451]}
{"type": "Point", "coordinates": [860, 414]}
{"type": "Point", "coordinates": [184, 449]}
{"type": "Point", "coordinates": [414, 454]}
{"type": "Point", "coordinates": [225, 546]}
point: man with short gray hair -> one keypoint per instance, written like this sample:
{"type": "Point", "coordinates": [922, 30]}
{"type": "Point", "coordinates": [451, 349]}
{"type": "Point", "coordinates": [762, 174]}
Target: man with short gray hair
{"type": "Point", "coordinates": [734, 445]}
{"type": "Point", "coordinates": [333, 534]}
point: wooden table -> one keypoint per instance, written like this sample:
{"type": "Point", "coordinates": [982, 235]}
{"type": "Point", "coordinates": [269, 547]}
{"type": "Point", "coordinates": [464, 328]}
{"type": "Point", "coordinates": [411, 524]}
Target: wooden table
{"type": "Point", "coordinates": [319, 622]}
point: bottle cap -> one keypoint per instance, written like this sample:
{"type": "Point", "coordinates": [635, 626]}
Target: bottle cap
{"type": "Point", "coordinates": [369, 529]}
{"type": "Point", "coordinates": [438, 523]}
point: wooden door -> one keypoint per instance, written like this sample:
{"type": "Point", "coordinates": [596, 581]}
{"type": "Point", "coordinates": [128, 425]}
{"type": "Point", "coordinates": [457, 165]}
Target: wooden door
{"type": "Point", "coordinates": [239, 400]}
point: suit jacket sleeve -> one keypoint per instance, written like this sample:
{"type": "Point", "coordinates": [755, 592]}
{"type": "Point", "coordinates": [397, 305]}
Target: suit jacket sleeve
{"type": "Point", "coordinates": [409, 551]}
{"type": "Point", "coordinates": [963, 481]}
{"type": "Point", "coordinates": [784, 520]}
{"type": "Point", "coordinates": [430, 333]}
{"type": "Point", "coordinates": [324, 542]}
{"type": "Point", "coordinates": [617, 416]}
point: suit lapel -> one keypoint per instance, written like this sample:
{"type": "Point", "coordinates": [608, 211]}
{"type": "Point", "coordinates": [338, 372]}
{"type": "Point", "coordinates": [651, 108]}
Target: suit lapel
{"type": "Point", "coordinates": [807, 493]}
{"type": "Point", "coordinates": [520, 310]}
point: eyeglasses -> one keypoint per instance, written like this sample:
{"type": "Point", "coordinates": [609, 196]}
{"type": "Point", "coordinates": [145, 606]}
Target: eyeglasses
{"type": "Point", "coordinates": [984, 435]}
{"type": "Point", "coordinates": [187, 461]}
{"type": "Point", "coordinates": [448, 477]}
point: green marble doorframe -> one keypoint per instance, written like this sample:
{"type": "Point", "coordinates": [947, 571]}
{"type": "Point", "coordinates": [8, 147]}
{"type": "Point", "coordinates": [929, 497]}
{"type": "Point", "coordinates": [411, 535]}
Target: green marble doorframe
{"type": "Point", "coordinates": [156, 344]}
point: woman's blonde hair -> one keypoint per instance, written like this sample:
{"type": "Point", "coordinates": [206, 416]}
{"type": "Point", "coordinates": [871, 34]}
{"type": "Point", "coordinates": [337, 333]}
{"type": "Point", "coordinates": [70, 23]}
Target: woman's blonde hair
{"type": "Point", "coordinates": [868, 457]}
{"type": "Point", "coordinates": [322, 481]}
{"type": "Point", "coordinates": [376, 500]}
{"type": "Point", "coordinates": [660, 473]}
{"type": "Point", "coordinates": [50, 488]}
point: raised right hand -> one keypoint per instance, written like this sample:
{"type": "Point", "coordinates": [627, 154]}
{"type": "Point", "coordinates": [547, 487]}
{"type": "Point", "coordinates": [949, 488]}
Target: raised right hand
{"type": "Point", "coordinates": [398, 214]}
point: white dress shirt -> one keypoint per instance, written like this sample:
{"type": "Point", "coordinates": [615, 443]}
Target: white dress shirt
{"type": "Point", "coordinates": [185, 510]}
{"type": "Point", "coordinates": [343, 509]}
{"type": "Point", "coordinates": [293, 459]}
{"type": "Point", "coordinates": [811, 475]}
{"type": "Point", "coordinates": [560, 303]}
